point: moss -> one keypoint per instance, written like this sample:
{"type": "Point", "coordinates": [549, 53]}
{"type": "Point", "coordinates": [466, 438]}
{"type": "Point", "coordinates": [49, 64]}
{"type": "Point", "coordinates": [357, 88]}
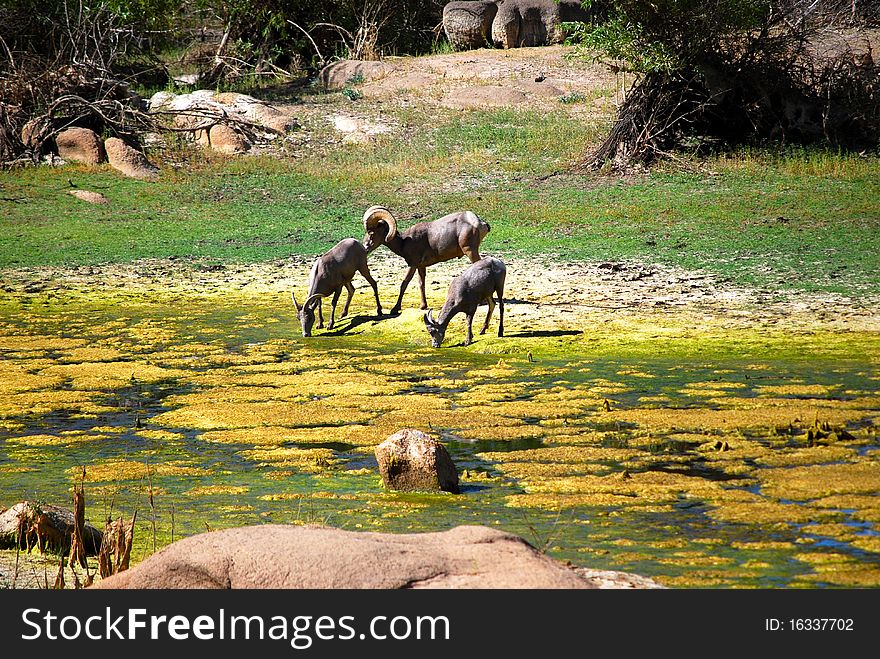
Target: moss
{"type": "Point", "coordinates": [210, 490]}
{"type": "Point", "coordinates": [813, 482]}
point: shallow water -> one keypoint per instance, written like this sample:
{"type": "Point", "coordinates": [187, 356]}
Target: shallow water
{"type": "Point", "coordinates": [692, 453]}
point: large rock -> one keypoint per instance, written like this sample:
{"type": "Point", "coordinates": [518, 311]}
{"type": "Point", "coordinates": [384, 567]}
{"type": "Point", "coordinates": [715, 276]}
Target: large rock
{"type": "Point", "coordinates": [129, 160]}
{"type": "Point", "coordinates": [469, 24]}
{"type": "Point", "coordinates": [412, 460]}
{"type": "Point", "coordinates": [346, 72]}
{"type": "Point", "coordinates": [223, 138]}
{"type": "Point", "coordinates": [43, 526]}
{"type": "Point", "coordinates": [534, 22]}
{"type": "Point", "coordinates": [281, 556]}
{"type": "Point", "coordinates": [80, 145]}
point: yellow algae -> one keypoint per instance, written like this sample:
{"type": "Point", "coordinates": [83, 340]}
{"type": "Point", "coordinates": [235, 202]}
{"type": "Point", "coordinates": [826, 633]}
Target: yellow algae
{"type": "Point", "coordinates": [648, 487]}
{"type": "Point", "coordinates": [867, 542]}
{"type": "Point", "coordinates": [839, 531]}
{"type": "Point", "coordinates": [55, 440]}
{"type": "Point", "coordinates": [207, 490]}
{"type": "Point", "coordinates": [311, 460]}
{"type": "Point", "coordinates": [254, 414]}
{"type": "Point", "coordinates": [491, 392]}
{"type": "Point", "coordinates": [91, 354]}
{"type": "Point", "coordinates": [132, 470]}
{"type": "Point", "coordinates": [865, 576]}
{"type": "Point", "coordinates": [758, 545]}
{"type": "Point", "coordinates": [16, 469]}
{"type": "Point", "coordinates": [111, 375]}
{"type": "Point", "coordinates": [743, 413]}
{"type": "Point", "coordinates": [278, 475]}
{"type": "Point", "coordinates": [797, 390]}
{"type": "Point", "coordinates": [564, 454]}
{"type": "Point", "coordinates": [46, 402]}
{"type": "Point", "coordinates": [821, 480]}
{"type": "Point", "coordinates": [15, 378]}
{"type": "Point", "coordinates": [824, 558]}
{"type": "Point", "coordinates": [353, 434]}
{"type": "Point", "coordinates": [806, 456]}
{"type": "Point", "coordinates": [242, 508]}
{"type": "Point", "coordinates": [503, 430]}
{"type": "Point", "coordinates": [237, 394]}
{"type": "Point", "coordinates": [762, 511]}
{"type": "Point", "coordinates": [21, 343]}
{"type": "Point", "coordinates": [160, 435]}
{"type": "Point", "coordinates": [695, 579]}
{"type": "Point", "coordinates": [678, 543]}
{"type": "Point", "coordinates": [658, 400]}
{"type": "Point", "coordinates": [695, 559]}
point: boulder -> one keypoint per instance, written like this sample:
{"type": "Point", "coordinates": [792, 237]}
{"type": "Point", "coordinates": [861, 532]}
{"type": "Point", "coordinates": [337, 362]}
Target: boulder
{"type": "Point", "coordinates": [534, 22]}
{"type": "Point", "coordinates": [129, 160]}
{"type": "Point", "coordinates": [412, 460]}
{"type": "Point", "coordinates": [91, 197]}
{"type": "Point", "coordinates": [485, 96]}
{"type": "Point", "coordinates": [304, 557]}
{"type": "Point", "coordinates": [44, 526]}
{"type": "Point", "coordinates": [80, 145]}
{"type": "Point", "coordinates": [469, 24]}
{"type": "Point", "coordinates": [345, 72]}
{"type": "Point", "coordinates": [223, 138]}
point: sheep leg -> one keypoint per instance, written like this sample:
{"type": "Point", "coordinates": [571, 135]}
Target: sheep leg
{"type": "Point", "coordinates": [470, 333]}
{"type": "Point", "coordinates": [491, 304]}
{"type": "Point", "coordinates": [350, 288]}
{"type": "Point", "coordinates": [333, 307]}
{"type": "Point", "coordinates": [500, 315]}
{"type": "Point", "coordinates": [366, 275]}
{"type": "Point", "coordinates": [320, 324]}
{"type": "Point", "coordinates": [422, 286]}
{"type": "Point", "coordinates": [406, 280]}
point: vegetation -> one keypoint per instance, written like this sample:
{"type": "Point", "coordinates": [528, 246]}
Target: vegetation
{"type": "Point", "coordinates": [736, 70]}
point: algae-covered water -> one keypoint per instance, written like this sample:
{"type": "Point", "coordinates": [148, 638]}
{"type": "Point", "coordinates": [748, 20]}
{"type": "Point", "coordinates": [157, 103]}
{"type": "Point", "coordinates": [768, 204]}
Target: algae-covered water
{"type": "Point", "coordinates": [698, 453]}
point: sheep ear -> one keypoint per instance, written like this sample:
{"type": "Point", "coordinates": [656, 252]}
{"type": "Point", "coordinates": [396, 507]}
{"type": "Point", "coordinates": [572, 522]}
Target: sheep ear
{"type": "Point", "coordinates": [293, 297]}
{"type": "Point", "coordinates": [313, 299]}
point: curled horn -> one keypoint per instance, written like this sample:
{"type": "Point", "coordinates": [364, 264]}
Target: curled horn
{"type": "Point", "coordinates": [376, 214]}
{"type": "Point", "coordinates": [429, 320]}
{"type": "Point", "coordinates": [313, 298]}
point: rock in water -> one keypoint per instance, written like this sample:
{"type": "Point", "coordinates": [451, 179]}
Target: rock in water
{"type": "Point", "coordinates": [43, 526]}
{"type": "Point", "coordinates": [282, 556]}
{"type": "Point", "coordinates": [412, 460]}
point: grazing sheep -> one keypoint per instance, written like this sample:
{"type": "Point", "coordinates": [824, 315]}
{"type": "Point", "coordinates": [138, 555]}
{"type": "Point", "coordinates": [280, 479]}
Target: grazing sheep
{"type": "Point", "coordinates": [330, 273]}
{"type": "Point", "coordinates": [425, 243]}
{"type": "Point", "coordinates": [474, 286]}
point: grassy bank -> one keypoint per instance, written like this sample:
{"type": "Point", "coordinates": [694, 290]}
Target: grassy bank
{"type": "Point", "coordinates": [802, 219]}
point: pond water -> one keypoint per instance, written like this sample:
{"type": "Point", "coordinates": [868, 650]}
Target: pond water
{"type": "Point", "coordinates": [694, 454]}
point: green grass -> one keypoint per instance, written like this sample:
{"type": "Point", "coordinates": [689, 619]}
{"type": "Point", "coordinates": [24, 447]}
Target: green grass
{"type": "Point", "coordinates": [802, 219]}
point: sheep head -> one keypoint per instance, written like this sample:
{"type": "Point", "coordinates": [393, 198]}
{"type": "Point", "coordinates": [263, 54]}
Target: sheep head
{"type": "Point", "coordinates": [380, 226]}
{"type": "Point", "coordinates": [306, 312]}
{"type": "Point", "coordinates": [435, 329]}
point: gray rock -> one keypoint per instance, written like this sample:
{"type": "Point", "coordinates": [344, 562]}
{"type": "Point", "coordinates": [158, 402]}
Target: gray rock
{"type": "Point", "coordinates": [129, 161]}
{"type": "Point", "coordinates": [469, 24]}
{"type": "Point", "coordinates": [343, 73]}
{"type": "Point", "coordinates": [43, 526]}
{"type": "Point", "coordinates": [534, 22]}
{"type": "Point", "coordinates": [412, 460]}
{"type": "Point", "coordinates": [281, 556]}
{"type": "Point", "coordinates": [80, 145]}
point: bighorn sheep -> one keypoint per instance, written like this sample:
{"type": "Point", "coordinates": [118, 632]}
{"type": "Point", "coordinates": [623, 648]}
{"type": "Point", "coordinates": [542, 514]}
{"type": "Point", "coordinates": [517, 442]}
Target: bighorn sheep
{"type": "Point", "coordinates": [472, 287]}
{"type": "Point", "coordinates": [425, 243]}
{"type": "Point", "coordinates": [329, 274]}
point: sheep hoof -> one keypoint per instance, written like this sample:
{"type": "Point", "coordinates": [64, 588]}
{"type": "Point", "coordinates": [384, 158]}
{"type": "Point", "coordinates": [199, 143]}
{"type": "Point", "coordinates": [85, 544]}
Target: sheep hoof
{"type": "Point", "coordinates": [394, 311]}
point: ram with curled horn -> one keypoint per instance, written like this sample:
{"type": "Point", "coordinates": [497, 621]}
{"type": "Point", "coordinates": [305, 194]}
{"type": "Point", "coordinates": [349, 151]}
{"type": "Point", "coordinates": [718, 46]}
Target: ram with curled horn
{"type": "Point", "coordinates": [425, 243]}
{"type": "Point", "coordinates": [330, 273]}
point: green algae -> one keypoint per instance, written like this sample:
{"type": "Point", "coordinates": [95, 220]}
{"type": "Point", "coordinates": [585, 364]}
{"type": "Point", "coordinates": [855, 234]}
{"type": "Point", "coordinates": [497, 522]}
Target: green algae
{"type": "Point", "coordinates": [625, 458]}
